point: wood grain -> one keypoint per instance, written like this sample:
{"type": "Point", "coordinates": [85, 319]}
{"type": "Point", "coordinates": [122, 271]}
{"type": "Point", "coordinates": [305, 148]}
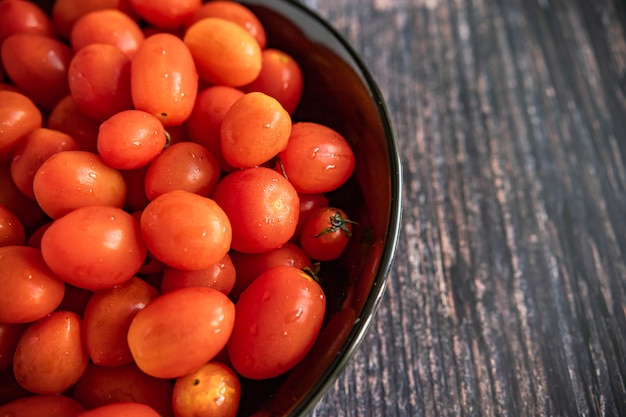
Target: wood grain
{"type": "Point", "coordinates": [508, 294]}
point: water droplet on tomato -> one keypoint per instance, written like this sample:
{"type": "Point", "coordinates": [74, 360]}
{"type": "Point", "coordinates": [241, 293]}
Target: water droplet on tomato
{"type": "Point", "coordinates": [294, 315]}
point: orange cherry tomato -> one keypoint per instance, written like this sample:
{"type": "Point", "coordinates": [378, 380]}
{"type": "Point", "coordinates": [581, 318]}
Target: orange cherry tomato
{"type": "Point", "coordinates": [71, 179]}
{"type": "Point", "coordinates": [38, 66]}
{"type": "Point", "coordinates": [11, 228]}
{"type": "Point", "coordinates": [234, 12]}
{"type": "Point", "coordinates": [166, 14]}
{"type": "Point", "coordinates": [18, 117]}
{"type": "Point", "coordinates": [34, 150]}
{"type": "Point", "coordinates": [108, 26]}
{"type": "Point", "coordinates": [180, 331]}
{"type": "Point", "coordinates": [164, 80]}
{"type": "Point", "coordinates": [94, 247]}
{"type": "Point", "coordinates": [30, 289]}
{"type": "Point", "coordinates": [42, 406]}
{"type": "Point", "coordinates": [212, 390]}
{"type": "Point", "coordinates": [99, 80]}
{"type": "Point", "coordinates": [254, 130]}
{"type": "Point", "coordinates": [19, 16]}
{"type": "Point", "coordinates": [50, 356]}
{"type": "Point", "coordinates": [224, 52]}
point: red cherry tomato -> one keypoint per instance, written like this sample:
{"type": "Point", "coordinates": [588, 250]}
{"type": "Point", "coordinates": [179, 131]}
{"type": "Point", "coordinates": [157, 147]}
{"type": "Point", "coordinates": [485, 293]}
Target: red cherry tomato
{"type": "Point", "coordinates": [30, 290]}
{"type": "Point", "coordinates": [121, 409]}
{"type": "Point", "coordinates": [65, 13]}
{"type": "Point", "coordinates": [18, 117]}
{"type": "Point", "coordinates": [67, 117]}
{"type": "Point", "coordinates": [280, 77]}
{"type": "Point", "coordinates": [277, 319]}
{"type": "Point", "coordinates": [326, 234]}
{"type": "Point", "coordinates": [131, 139]}
{"type": "Point", "coordinates": [164, 81]}
{"type": "Point", "coordinates": [185, 230]}
{"type": "Point", "coordinates": [34, 149]}
{"type": "Point", "coordinates": [183, 166]}
{"type": "Point", "coordinates": [213, 390]}
{"type": "Point", "coordinates": [99, 80]}
{"type": "Point", "coordinates": [11, 228]}
{"type": "Point", "coordinates": [50, 356]}
{"type": "Point", "coordinates": [38, 66]}
{"type": "Point", "coordinates": [19, 16]}
{"type": "Point", "coordinates": [165, 14]}
{"type": "Point", "coordinates": [73, 179]}
{"type": "Point", "coordinates": [180, 331]}
{"type": "Point", "coordinates": [254, 130]}
{"type": "Point", "coordinates": [308, 204]}
{"type": "Point", "coordinates": [225, 53]}
{"type": "Point", "coordinates": [102, 385]}
{"type": "Point", "coordinates": [317, 159]}
{"type": "Point", "coordinates": [94, 247]}
{"type": "Point", "coordinates": [26, 209]}
{"type": "Point", "coordinates": [220, 276]}
{"type": "Point", "coordinates": [262, 207]}
{"type": "Point", "coordinates": [107, 317]}
{"type": "Point", "coordinates": [42, 406]}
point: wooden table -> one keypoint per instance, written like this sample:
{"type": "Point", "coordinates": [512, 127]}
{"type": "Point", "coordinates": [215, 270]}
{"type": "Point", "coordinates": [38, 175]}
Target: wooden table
{"type": "Point", "coordinates": [508, 293]}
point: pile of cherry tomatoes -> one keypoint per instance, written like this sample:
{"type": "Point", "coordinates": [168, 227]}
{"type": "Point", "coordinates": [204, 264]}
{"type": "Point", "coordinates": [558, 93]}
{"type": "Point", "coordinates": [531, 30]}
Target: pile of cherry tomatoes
{"type": "Point", "coordinates": [162, 214]}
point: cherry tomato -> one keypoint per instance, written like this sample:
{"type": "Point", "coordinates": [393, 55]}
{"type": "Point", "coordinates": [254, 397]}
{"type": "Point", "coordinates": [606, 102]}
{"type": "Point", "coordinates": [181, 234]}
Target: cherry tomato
{"type": "Point", "coordinates": [19, 16]}
{"type": "Point", "coordinates": [277, 319]}
{"type": "Point", "coordinates": [107, 26]}
{"type": "Point", "coordinates": [254, 130]}
{"type": "Point", "coordinates": [107, 317]}
{"type": "Point", "coordinates": [10, 334]}
{"type": "Point", "coordinates": [250, 265]}
{"type": "Point", "coordinates": [30, 290]}
{"type": "Point", "coordinates": [212, 390]}
{"type": "Point", "coordinates": [38, 66]}
{"type": "Point", "coordinates": [11, 228]}
{"type": "Point", "coordinates": [50, 356]}
{"type": "Point", "coordinates": [262, 207]}
{"type": "Point", "coordinates": [121, 409]}
{"type": "Point", "coordinates": [101, 385]}
{"type": "Point", "coordinates": [72, 179]}
{"type": "Point", "coordinates": [280, 77]}
{"type": "Point", "coordinates": [99, 80]}
{"type": "Point", "coordinates": [224, 52]}
{"type": "Point", "coordinates": [164, 81]}
{"type": "Point", "coordinates": [220, 276]}
{"type": "Point", "coordinates": [308, 204]}
{"type": "Point", "coordinates": [205, 121]}
{"type": "Point", "coordinates": [131, 139]}
{"type": "Point", "coordinates": [180, 331]}
{"type": "Point", "coordinates": [317, 159]}
{"type": "Point", "coordinates": [326, 234]}
{"type": "Point", "coordinates": [166, 14]}
{"type": "Point", "coordinates": [65, 13]}
{"type": "Point", "coordinates": [68, 118]}
{"type": "Point", "coordinates": [18, 117]}
{"type": "Point", "coordinates": [26, 209]}
{"type": "Point", "coordinates": [234, 12]}
{"type": "Point", "coordinates": [185, 230]}
{"type": "Point", "coordinates": [94, 247]}
{"type": "Point", "coordinates": [42, 406]}
{"type": "Point", "coordinates": [184, 166]}
{"type": "Point", "coordinates": [34, 149]}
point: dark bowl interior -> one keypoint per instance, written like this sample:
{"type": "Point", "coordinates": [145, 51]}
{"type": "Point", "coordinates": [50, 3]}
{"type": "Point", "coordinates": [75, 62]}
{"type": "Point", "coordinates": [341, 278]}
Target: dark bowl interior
{"type": "Point", "coordinates": [340, 93]}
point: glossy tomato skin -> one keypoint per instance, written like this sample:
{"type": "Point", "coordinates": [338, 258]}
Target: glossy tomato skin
{"type": "Point", "coordinates": [42, 406]}
{"type": "Point", "coordinates": [38, 65]}
{"type": "Point", "coordinates": [107, 317]}
{"type": "Point", "coordinates": [262, 206]}
{"type": "Point", "coordinates": [166, 14]}
{"type": "Point", "coordinates": [121, 409]}
{"type": "Point", "coordinates": [34, 149]}
{"type": "Point", "coordinates": [18, 16]}
{"type": "Point", "coordinates": [212, 390]}
{"type": "Point", "coordinates": [180, 331]}
{"type": "Point", "coordinates": [99, 80]}
{"type": "Point", "coordinates": [94, 247]}
{"type": "Point", "coordinates": [50, 356]}
{"type": "Point", "coordinates": [278, 318]}
{"type": "Point", "coordinates": [185, 230]}
{"type": "Point", "coordinates": [326, 234]}
{"type": "Point", "coordinates": [101, 385]}
{"type": "Point", "coordinates": [220, 276]}
{"type": "Point", "coordinates": [18, 117]}
{"type": "Point", "coordinates": [317, 159]}
{"type": "Point", "coordinates": [73, 179]}
{"type": "Point", "coordinates": [67, 117]}
{"type": "Point", "coordinates": [30, 289]}
{"type": "Point", "coordinates": [164, 80]}
{"type": "Point", "coordinates": [65, 13]}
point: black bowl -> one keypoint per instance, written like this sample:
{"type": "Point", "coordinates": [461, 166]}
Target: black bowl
{"type": "Point", "coordinates": [341, 93]}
